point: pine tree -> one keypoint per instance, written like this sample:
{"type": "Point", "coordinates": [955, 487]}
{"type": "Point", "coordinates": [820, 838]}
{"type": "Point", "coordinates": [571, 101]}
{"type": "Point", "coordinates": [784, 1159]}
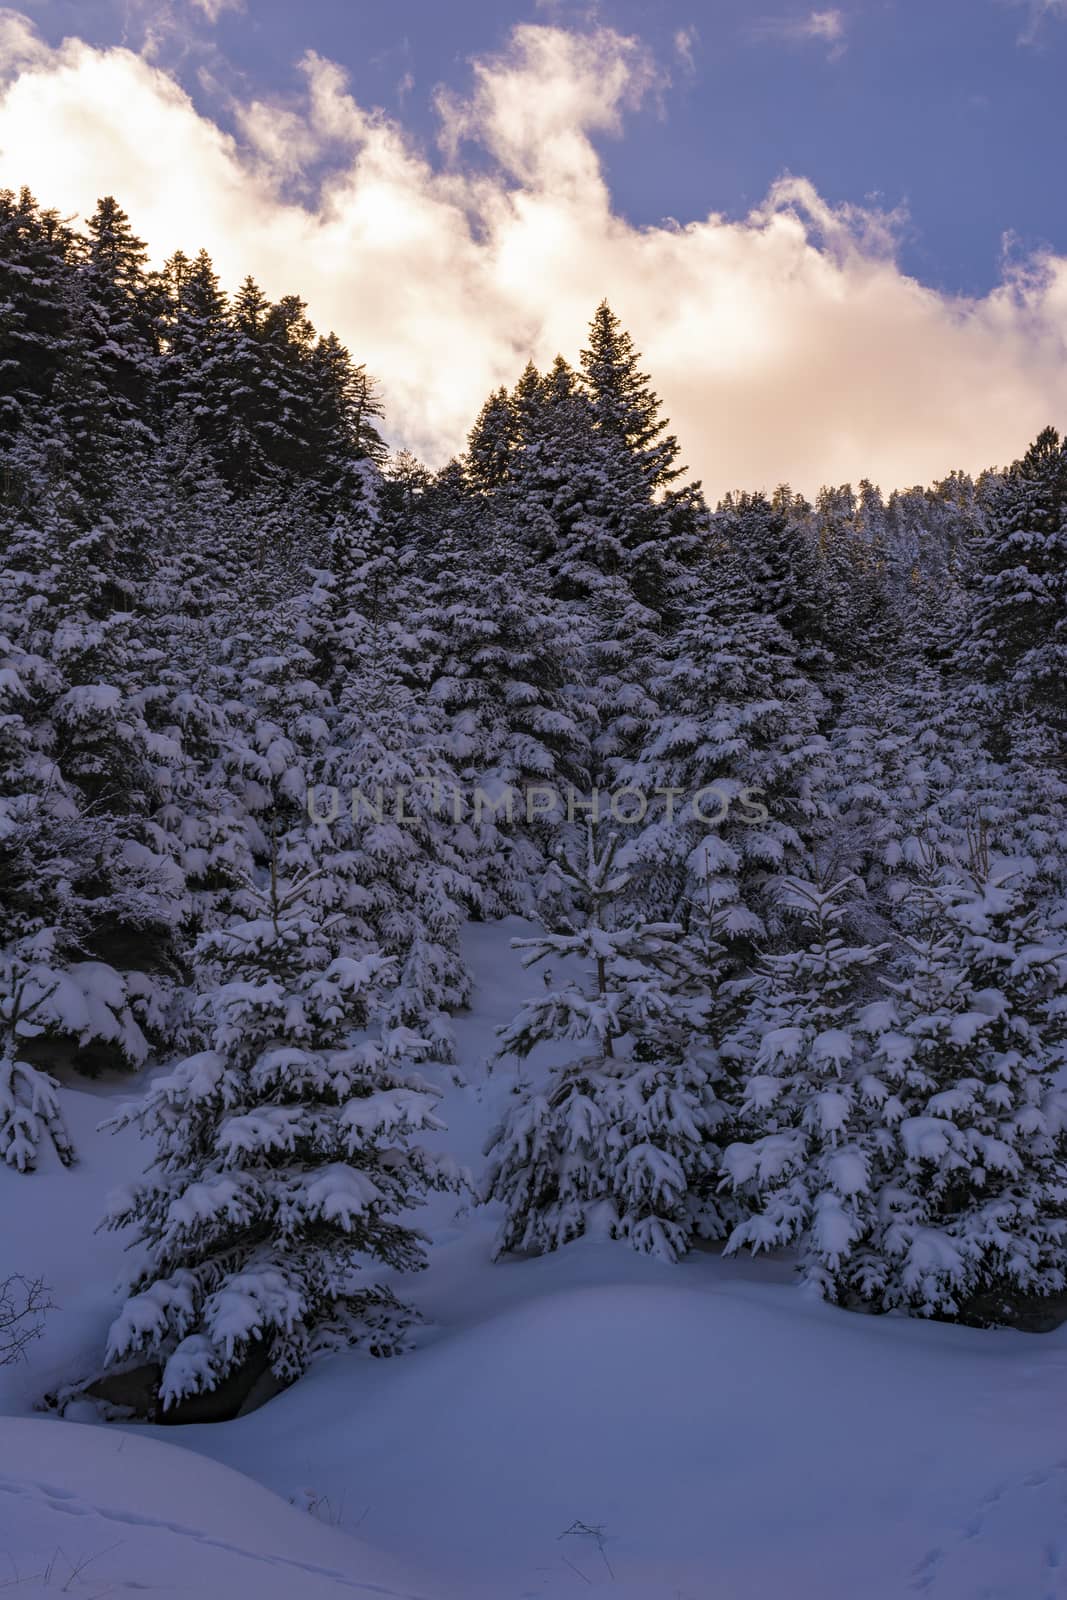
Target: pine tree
{"type": "Point", "coordinates": [248, 373]}
{"type": "Point", "coordinates": [492, 444]}
{"type": "Point", "coordinates": [731, 770]}
{"type": "Point", "coordinates": [501, 660]}
{"type": "Point", "coordinates": [345, 408]}
{"type": "Point", "coordinates": [398, 845]}
{"type": "Point", "coordinates": [1018, 634]}
{"type": "Point", "coordinates": [969, 1184]}
{"type": "Point", "coordinates": [802, 1081]}
{"type": "Point", "coordinates": [82, 880]}
{"type": "Point", "coordinates": [29, 1096]}
{"type": "Point", "coordinates": [285, 1162]}
{"type": "Point", "coordinates": [117, 303]}
{"type": "Point", "coordinates": [625, 407]}
{"type": "Point", "coordinates": [556, 494]}
{"type": "Point", "coordinates": [35, 325]}
{"type": "Point", "coordinates": [192, 372]}
{"type": "Point", "coordinates": [363, 572]}
{"type": "Point", "coordinates": [624, 1139]}
{"type": "Point", "coordinates": [662, 527]}
{"type": "Point", "coordinates": [588, 478]}
{"type": "Point", "coordinates": [765, 552]}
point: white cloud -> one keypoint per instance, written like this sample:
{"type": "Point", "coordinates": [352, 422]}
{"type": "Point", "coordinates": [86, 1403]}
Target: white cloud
{"type": "Point", "coordinates": [1037, 11]}
{"type": "Point", "coordinates": [685, 41]}
{"type": "Point", "coordinates": [786, 344]}
{"type": "Point", "coordinates": [535, 106]}
{"type": "Point", "coordinates": [825, 26]}
{"type": "Point", "coordinates": [213, 9]}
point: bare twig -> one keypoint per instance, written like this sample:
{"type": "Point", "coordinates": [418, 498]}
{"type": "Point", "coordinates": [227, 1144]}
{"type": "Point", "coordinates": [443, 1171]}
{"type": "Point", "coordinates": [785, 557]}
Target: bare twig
{"type": "Point", "coordinates": [594, 1531]}
{"type": "Point", "coordinates": [23, 1303]}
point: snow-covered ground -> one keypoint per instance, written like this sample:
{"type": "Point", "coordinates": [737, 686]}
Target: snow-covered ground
{"type": "Point", "coordinates": [93, 1512]}
{"type": "Point", "coordinates": [589, 1421]}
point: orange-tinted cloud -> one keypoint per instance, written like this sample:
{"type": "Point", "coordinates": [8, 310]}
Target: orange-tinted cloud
{"type": "Point", "coordinates": [786, 344]}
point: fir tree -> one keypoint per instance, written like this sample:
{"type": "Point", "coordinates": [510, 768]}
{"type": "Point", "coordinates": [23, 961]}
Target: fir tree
{"type": "Point", "coordinates": [29, 1096]}
{"type": "Point", "coordinates": [1018, 634]}
{"type": "Point", "coordinates": [625, 407]}
{"type": "Point", "coordinates": [801, 1081]}
{"type": "Point", "coordinates": [398, 844]}
{"type": "Point", "coordinates": [285, 1162]}
{"type": "Point", "coordinates": [624, 1139]}
{"type": "Point", "coordinates": [969, 1183]}
{"type": "Point", "coordinates": [734, 755]}
{"type": "Point", "coordinates": [492, 444]}
{"type": "Point", "coordinates": [35, 325]}
{"type": "Point", "coordinates": [117, 305]}
{"type": "Point", "coordinates": [192, 373]}
{"type": "Point", "coordinates": [764, 551]}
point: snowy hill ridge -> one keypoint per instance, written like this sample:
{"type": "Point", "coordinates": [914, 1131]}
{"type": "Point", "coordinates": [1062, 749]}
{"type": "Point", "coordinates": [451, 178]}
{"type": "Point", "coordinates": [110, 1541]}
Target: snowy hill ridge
{"type": "Point", "coordinates": [721, 1433]}
{"type": "Point", "coordinates": [88, 1512]}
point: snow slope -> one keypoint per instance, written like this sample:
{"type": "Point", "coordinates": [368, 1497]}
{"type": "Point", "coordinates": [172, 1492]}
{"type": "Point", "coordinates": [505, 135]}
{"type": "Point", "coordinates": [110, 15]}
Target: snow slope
{"type": "Point", "coordinates": [96, 1512]}
{"type": "Point", "coordinates": [589, 1421]}
{"type": "Point", "coordinates": [727, 1440]}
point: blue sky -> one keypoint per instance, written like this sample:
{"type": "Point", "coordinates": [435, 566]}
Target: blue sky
{"type": "Point", "coordinates": [837, 232]}
{"type": "Point", "coordinates": [954, 109]}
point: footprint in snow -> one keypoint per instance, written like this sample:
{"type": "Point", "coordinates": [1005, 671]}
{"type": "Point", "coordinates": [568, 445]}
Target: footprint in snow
{"type": "Point", "coordinates": [1012, 1547]}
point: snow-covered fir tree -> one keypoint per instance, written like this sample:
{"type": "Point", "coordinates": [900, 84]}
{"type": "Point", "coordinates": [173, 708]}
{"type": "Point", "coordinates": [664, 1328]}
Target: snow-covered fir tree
{"type": "Point", "coordinates": [622, 1141]}
{"type": "Point", "coordinates": [1017, 634]}
{"type": "Point", "coordinates": [275, 1213]}
{"type": "Point", "coordinates": [968, 1176]}
{"type": "Point", "coordinates": [29, 1096]}
{"type": "Point", "coordinates": [799, 1079]}
{"type": "Point", "coordinates": [392, 827]}
{"type": "Point", "coordinates": [735, 755]}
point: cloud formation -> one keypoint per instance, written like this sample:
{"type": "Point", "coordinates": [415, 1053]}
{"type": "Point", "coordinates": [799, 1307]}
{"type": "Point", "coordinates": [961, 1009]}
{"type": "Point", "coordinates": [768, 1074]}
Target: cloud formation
{"type": "Point", "coordinates": [685, 41]}
{"type": "Point", "coordinates": [825, 26]}
{"type": "Point", "coordinates": [213, 9]}
{"type": "Point", "coordinates": [786, 344]}
{"type": "Point", "coordinates": [1037, 11]}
